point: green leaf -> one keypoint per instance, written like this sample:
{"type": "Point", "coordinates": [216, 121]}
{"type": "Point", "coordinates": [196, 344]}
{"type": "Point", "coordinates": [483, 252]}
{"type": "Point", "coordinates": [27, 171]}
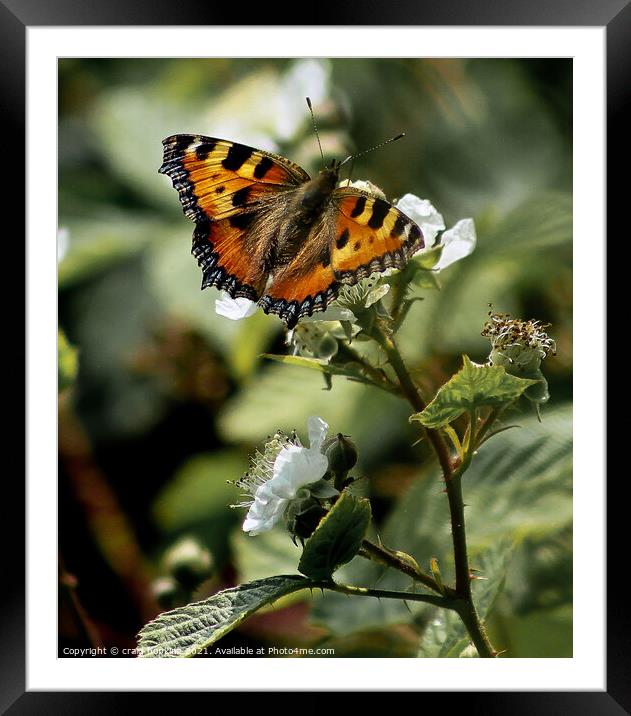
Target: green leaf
{"type": "Point", "coordinates": [67, 362]}
{"type": "Point", "coordinates": [337, 538]}
{"type": "Point", "coordinates": [445, 635]}
{"type": "Point", "coordinates": [472, 387]}
{"type": "Point", "coordinates": [318, 364]}
{"type": "Point", "coordinates": [186, 631]}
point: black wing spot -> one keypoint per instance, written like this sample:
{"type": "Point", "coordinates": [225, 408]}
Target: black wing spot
{"type": "Point", "coordinates": [357, 245]}
{"type": "Point", "coordinates": [237, 156]}
{"type": "Point", "coordinates": [204, 149]}
{"type": "Point", "coordinates": [342, 239]}
{"type": "Point", "coordinates": [380, 210]}
{"type": "Point", "coordinates": [242, 221]}
{"type": "Point", "coordinates": [220, 189]}
{"type": "Point", "coordinates": [261, 169]}
{"type": "Point", "coordinates": [359, 207]}
{"type": "Point", "coordinates": [240, 197]}
{"type": "Point", "coordinates": [415, 234]}
{"type": "Point", "coordinates": [399, 227]}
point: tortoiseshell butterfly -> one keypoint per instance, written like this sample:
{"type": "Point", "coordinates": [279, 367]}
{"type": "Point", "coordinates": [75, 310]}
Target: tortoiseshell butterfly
{"type": "Point", "coordinates": [266, 230]}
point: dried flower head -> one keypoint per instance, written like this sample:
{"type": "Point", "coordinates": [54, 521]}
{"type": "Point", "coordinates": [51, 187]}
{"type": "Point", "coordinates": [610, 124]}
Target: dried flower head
{"type": "Point", "coordinates": [517, 344]}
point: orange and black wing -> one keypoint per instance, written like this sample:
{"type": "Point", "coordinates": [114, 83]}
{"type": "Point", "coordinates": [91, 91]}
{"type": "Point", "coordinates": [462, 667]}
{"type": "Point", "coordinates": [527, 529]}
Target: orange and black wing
{"type": "Point", "coordinates": [307, 283]}
{"type": "Point", "coordinates": [371, 236]}
{"type": "Point", "coordinates": [358, 235]}
{"type": "Point", "coordinates": [230, 191]}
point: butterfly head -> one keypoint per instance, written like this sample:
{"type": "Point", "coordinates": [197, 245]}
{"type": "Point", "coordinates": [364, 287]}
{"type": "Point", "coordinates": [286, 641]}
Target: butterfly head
{"type": "Point", "coordinates": [317, 191]}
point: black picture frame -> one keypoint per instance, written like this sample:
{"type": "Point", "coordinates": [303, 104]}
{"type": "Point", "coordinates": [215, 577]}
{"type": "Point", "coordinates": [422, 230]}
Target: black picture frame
{"type": "Point", "coordinates": [17, 15]}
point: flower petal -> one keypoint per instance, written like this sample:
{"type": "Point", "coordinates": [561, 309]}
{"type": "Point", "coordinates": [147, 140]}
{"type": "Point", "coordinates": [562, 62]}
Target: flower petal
{"type": "Point", "coordinates": [234, 308]}
{"type": "Point", "coordinates": [316, 429]}
{"type": "Point", "coordinates": [296, 467]}
{"type": "Point", "coordinates": [377, 293]}
{"type": "Point", "coordinates": [262, 516]}
{"type": "Point", "coordinates": [424, 214]}
{"type": "Point", "coordinates": [457, 242]}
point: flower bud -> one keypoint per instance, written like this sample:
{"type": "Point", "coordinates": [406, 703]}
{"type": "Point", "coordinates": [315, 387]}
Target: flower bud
{"type": "Point", "coordinates": [189, 562]}
{"type": "Point", "coordinates": [341, 454]}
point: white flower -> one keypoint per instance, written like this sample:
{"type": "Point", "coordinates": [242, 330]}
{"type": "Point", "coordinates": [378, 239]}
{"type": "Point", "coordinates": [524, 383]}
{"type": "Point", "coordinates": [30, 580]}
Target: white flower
{"type": "Point", "coordinates": [424, 214]}
{"type": "Point", "coordinates": [284, 472]}
{"type": "Point", "coordinates": [457, 242]}
{"type": "Point", "coordinates": [234, 308]}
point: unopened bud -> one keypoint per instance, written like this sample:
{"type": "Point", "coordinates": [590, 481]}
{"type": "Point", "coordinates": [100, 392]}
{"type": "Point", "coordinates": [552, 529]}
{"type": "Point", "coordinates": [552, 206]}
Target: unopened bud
{"type": "Point", "coordinates": [341, 454]}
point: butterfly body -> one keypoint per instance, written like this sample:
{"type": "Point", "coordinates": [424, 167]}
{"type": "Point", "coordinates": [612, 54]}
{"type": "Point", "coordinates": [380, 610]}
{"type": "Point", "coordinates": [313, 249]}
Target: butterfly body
{"type": "Point", "coordinates": [269, 232]}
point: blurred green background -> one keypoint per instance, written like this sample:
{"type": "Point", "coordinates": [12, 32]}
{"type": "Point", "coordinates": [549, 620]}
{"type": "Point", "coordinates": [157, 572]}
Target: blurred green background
{"type": "Point", "coordinates": [170, 398]}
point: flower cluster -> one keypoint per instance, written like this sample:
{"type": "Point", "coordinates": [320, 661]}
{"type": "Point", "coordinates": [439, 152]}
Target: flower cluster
{"type": "Point", "coordinates": [517, 344]}
{"type": "Point", "coordinates": [519, 347]}
{"type": "Point", "coordinates": [285, 476]}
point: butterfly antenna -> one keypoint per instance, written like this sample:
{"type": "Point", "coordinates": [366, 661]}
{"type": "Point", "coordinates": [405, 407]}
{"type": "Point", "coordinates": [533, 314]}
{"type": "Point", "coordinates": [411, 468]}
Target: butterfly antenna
{"type": "Point", "coordinates": [315, 126]}
{"type": "Point", "coordinates": [372, 149]}
{"type": "Point", "coordinates": [350, 171]}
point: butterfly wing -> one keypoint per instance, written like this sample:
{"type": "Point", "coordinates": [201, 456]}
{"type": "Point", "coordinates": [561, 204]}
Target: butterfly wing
{"type": "Point", "coordinates": [233, 193]}
{"type": "Point", "coordinates": [359, 234]}
{"type": "Point", "coordinates": [371, 235]}
{"type": "Point", "coordinates": [307, 283]}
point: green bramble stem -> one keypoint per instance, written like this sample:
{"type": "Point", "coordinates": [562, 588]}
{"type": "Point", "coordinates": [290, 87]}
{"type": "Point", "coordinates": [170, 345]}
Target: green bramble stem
{"type": "Point", "coordinates": [384, 556]}
{"type": "Point", "coordinates": [467, 612]}
{"type": "Point", "coordinates": [378, 377]}
{"type": "Point", "coordinates": [435, 600]}
{"type": "Point", "coordinates": [453, 484]}
{"type": "Point", "coordinates": [411, 392]}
